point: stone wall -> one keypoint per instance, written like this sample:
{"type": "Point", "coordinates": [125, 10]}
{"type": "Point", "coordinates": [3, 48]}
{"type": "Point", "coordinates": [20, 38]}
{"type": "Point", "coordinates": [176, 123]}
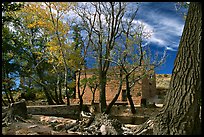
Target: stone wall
{"type": "Point", "coordinates": [149, 87]}
{"type": "Point", "coordinates": [145, 88]}
{"type": "Point", "coordinates": [55, 110]}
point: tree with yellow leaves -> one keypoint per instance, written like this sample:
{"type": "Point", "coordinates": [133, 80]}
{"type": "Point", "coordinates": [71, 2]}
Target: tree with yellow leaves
{"type": "Point", "coordinates": [46, 21]}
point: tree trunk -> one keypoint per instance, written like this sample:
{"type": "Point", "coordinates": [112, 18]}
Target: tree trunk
{"type": "Point", "coordinates": [40, 75]}
{"type": "Point", "coordinates": [66, 90]}
{"type": "Point", "coordinates": [80, 103]}
{"type": "Point", "coordinates": [57, 89]}
{"type": "Point", "coordinates": [56, 96]}
{"type": "Point", "coordinates": [16, 111]}
{"type": "Point", "coordinates": [93, 97]}
{"type": "Point", "coordinates": [102, 84]}
{"type": "Point", "coordinates": [116, 96]}
{"type": "Point", "coordinates": [4, 103]}
{"type": "Point", "coordinates": [180, 114]}
{"type": "Point", "coordinates": [132, 106]}
{"type": "Point", "coordinates": [10, 94]}
{"type": "Point", "coordinates": [80, 96]}
{"type": "Point", "coordinates": [49, 99]}
{"type": "Point", "coordinates": [7, 96]}
{"type": "Point", "coordinates": [60, 93]}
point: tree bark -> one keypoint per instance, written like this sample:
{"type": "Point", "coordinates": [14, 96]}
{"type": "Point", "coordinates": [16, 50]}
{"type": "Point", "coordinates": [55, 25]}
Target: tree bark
{"type": "Point", "coordinates": [7, 96]}
{"type": "Point", "coordinates": [180, 114]}
{"type": "Point", "coordinates": [60, 93]}
{"type": "Point", "coordinates": [10, 94]}
{"type": "Point", "coordinates": [117, 95]}
{"type": "Point", "coordinates": [56, 96]}
{"type": "Point", "coordinates": [16, 111]}
{"type": "Point", "coordinates": [102, 85]}
{"type": "Point", "coordinates": [4, 103]}
{"type": "Point", "coordinates": [49, 99]}
{"type": "Point", "coordinates": [132, 106]}
{"type": "Point", "coordinates": [93, 97]}
{"type": "Point", "coordinates": [80, 95]}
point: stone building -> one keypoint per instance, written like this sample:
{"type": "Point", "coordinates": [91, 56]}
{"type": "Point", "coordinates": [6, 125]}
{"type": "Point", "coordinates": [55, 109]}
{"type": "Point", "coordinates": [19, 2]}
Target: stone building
{"type": "Point", "coordinates": [144, 89]}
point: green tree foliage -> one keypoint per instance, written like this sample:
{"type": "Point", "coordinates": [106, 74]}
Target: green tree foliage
{"type": "Point", "coordinates": [42, 48]}
{"type": "Point", "coordinates": [10, 49]}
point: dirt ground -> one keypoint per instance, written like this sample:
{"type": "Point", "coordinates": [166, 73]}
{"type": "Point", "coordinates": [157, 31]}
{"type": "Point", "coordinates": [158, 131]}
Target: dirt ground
{"type": "Point", "coordinates": [36, 125]}
{"type": "Point", "coordinates": [42, 125]}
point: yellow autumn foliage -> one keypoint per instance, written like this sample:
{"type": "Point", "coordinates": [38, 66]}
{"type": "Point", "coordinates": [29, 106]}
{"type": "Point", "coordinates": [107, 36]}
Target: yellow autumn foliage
{"type": "Point", "coordinates": [50, 22]}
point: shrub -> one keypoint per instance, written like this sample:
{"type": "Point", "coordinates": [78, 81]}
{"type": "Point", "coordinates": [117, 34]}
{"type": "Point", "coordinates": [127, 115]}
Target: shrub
{"type": "Point", "coordinates": [165, 75]}
{"type": "Point", "coordinates": [28, 95]}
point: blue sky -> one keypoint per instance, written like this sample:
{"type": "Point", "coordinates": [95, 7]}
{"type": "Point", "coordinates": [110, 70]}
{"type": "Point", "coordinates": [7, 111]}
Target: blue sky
{"type": "Point", "coordinates": [167, 25]}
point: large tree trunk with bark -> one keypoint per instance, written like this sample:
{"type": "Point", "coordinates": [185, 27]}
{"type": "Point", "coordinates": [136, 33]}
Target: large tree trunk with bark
{"type": "Point", "coordinates": [16, 111]}
{"type": "Point", "coordinates": [180, 114]}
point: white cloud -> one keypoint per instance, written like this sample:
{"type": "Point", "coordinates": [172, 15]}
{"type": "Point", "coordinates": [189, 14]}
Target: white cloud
{"type": "Point", "coordinates": [164, 30]}
{"type": "Point", "coordinates": [167, 27]}
{"type": "Point", "coordinates": [171, 49]}
{"type": "Point", "coordinates": [172, 26]}
{"type": "Point", "coordinates": [157, 40]}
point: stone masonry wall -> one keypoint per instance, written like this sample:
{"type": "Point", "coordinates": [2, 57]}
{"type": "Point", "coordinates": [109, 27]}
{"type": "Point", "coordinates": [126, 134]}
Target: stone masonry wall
{"type": "Point", "coordinates": [145, 88]}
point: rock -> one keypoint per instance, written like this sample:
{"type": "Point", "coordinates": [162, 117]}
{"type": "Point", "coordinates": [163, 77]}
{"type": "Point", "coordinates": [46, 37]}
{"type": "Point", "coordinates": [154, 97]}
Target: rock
{"type": "Point", "coordinates": [103, 130]}
{"type": "Point", "coordinates": [96, 125]}
{"type": "Point", "coordinates": [112, 126]}
{"type": "Point", "coordinates": [22, 132]}
{"type": "Point", "coordinates": [92, 109]}
{"type": "Point", "coordinates": [84, 114]}
{"type": "Point", "coordinates": [44, 119]}
{"type": "Point", "coordinates": [44, 131]}
{"type": "Point", "coordinates": [131, 126]}
{"type": "Point", "coordinates": [74, 128]}
{"type": "Point", "coordinates": [33, 126]}
{"type": "Point", "coordinates": [59, 127]}
{"type": "Point", "coordinates": [59, 133]}
{"type": "Point", "coordinates": [74, 133]}
{"type": "Point", "coordinates": [69, 126]}
{"type": "Point", "coordinates": [34, 133]}
{"type": "Point", "coordinates": [53, 121]}
{"type": "Point", "coordinates": [89, 121]}
{"type": "Point", "coordinates": [4, 130]}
